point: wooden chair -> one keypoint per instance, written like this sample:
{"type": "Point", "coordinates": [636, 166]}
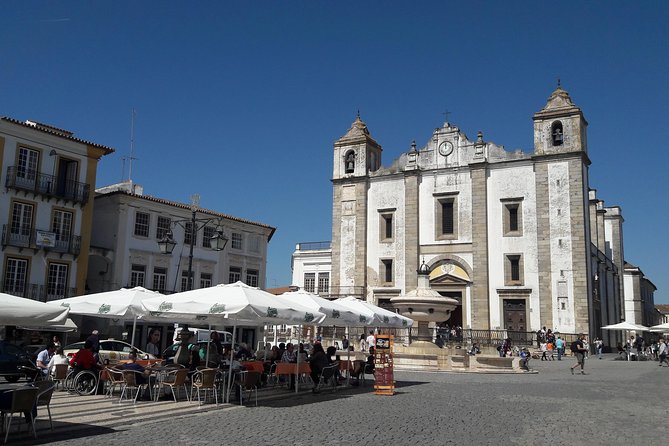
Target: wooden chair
{"type": "Point", "coordinates": [176, 379]}
{"type": "Point", "coordinates": [248, 381]}
{"type": "Point", "coordinates": [204, 379]}
{"type": "Point", "coordinates": [46, 389]}
{"type": "Point", "coordinates": [23, 401]}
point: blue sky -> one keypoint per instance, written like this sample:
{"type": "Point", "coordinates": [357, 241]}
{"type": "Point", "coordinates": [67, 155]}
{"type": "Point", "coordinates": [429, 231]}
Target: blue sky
{"type": "Point", "coordinates": [242, 101]}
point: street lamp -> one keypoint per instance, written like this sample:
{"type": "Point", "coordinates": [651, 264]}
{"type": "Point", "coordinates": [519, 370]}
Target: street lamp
{"type": "Point", "coordinates": [217, 242]}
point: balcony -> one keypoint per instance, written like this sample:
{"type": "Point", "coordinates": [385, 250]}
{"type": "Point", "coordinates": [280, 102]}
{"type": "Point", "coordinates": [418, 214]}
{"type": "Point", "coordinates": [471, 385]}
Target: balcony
{"type": "Point", "coordinates": [41, 239]}
{"type": "Point", "coordinates": [50, 186]}
{"type": "Point", "coordinates": [314, 246]}
{"type": "Point", "coordinates": [42, 293]}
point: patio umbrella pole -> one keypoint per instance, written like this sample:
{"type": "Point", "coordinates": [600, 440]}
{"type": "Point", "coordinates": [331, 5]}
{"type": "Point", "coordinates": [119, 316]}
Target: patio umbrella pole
{"type": "Point", "coordinates": [206, 360]}
{"type": "Point", "coordinates": [349, 365]}
{"type": "Point", "coordinates": [232, 354]}
{"type": "Point", "coordinates": [297, 367]}
{"type": "Point", "coordinates": [134, 326]}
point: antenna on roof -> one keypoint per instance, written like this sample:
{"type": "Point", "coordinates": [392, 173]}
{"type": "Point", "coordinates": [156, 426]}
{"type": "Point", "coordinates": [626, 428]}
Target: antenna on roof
{"type": "Point", "coordinates": [132, 147]}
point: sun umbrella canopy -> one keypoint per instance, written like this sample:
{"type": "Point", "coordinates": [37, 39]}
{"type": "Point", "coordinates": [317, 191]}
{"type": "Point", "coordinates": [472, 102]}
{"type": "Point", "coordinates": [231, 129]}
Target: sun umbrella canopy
{"type": "Point", "coordinates": [237, 303]}
{"type": "Point", "coordinates": [21, 311]}
{"type": "Point", "coordinates": [380, 316]}
{"type": "Point", "coordinates": [125, 303]}
{"type": "Point", "coordinates": [660, 328]}
{"type": "Point", "coordinates": [336, 314]}
{"type": "Point", "coordinates": [69, 325]}
{"type": "Point", "coordinates": [622, 326]}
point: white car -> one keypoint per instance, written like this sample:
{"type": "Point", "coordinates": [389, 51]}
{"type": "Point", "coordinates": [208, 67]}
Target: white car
{"type": "Point", "coordinates": [109, 349]}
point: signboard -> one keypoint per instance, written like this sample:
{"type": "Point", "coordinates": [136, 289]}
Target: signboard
{"type": "Point", "coordinates": [384, 380]}
{"type": "Point", "coordinates": [45, 239]}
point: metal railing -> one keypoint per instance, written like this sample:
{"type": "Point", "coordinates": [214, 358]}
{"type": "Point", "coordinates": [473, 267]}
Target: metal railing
{"type": "Point", "coordinates": [314, 246]}
{"type": "Point", "coordinates": [27, 238]}
{"type": "Point", "coordinates": [42, 293]}
{"type": "Point", "coordinates": [47, 185]}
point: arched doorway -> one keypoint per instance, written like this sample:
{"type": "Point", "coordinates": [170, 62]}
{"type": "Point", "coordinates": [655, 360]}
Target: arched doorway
{"type": "Point", "coordinates": [451, 279]}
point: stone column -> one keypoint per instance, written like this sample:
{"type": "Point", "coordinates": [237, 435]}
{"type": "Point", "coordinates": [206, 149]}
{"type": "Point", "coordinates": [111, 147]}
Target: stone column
{"type": "Point", "coordinates": [480, 287]}
{"type": "Point", "coordinates": [411, 230]}
{"type": "Point", "coordinates": [543, 244]}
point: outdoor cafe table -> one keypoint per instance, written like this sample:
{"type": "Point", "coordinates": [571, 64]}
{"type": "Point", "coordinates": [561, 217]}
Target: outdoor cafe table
{"type": "Point", "coordinates": [254, 366]}
{"type": "Point", "coordinates": [291, 368]}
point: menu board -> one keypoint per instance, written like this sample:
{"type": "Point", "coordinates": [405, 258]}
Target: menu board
{"type": "Point", "coordinates": [384, 383]}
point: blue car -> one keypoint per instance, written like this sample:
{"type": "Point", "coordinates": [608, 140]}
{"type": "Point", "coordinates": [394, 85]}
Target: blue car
{"type": "Point", "coordinates": [12, 359]}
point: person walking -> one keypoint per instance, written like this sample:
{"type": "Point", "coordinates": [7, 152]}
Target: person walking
{"type": "Point", "coordinates": [599, 346]}
{"type": "Point", "coordinates": [578, 349]}
{"type": "Point", "coordinates": [663, 351]}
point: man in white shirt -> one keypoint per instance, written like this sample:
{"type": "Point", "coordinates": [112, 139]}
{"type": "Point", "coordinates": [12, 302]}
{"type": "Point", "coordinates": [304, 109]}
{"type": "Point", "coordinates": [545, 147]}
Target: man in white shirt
{"type": "Point", "coordinates": [371, 340]}
{"type": "Point", "coordinates": [44, 357]}
{"type": "Point", "coordinates": [663, 351]}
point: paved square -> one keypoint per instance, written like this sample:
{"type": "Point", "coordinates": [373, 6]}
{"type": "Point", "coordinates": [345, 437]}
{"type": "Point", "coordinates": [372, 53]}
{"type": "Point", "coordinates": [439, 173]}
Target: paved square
{"type": "Point", "coordinates": [618, 402]}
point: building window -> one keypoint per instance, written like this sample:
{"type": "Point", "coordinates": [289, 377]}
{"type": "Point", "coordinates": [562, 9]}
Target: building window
{"type": "Point", "coordinates": [387, 227]}
{"type": "Point", "coordinates": [253, 241]}
{"type": "Point", "coordinates": [61, 225]}
{"type": "Point", "coordinates": [349, 162]}
{"type": "Point", "coordinates": [159, 279]}
{"type": "Point", "coordinates": [207, 233]}
{"type": "Point", "coordinates": [512, 216]}
{"type": "Point", "coordinates": [235, 274]}
{"type": "Point", "coordinates": [236, 240]}
{"type": "Point", "coordinates": [188, 233]}
{"type": "Point", "coordinates": [56, 281]}
{"type": "Point", "coordinates": [310, 282]}
{"type": "Point", "coordinates": [21, 227]}
{"type": "Point", "coordinates": [137, 273]}
{"type": "Point", "coordinates": [446, 213]}
{"type": "Point", "coordinates": [142, 224]}
{"type": "Point", "coordinates": [323, 284]}
{"type": "Point", "coordinates": [557, 134]}
{"type": "Point", "coordinates": [205, 280]}
{"type": "Point", "coordinates": [252, 277]}
{"type": "Point", "coordinates": [162, 227]}
{"type": "Point", "coordinates": [16, 275]}
{"type": "Point", "coordinates": [513, 269]}
{"type": "Point", "coordinates": [184, 281]}
{"type": "Point", "coordinates": [386, 273]}
{"type": "Point", "coordinates": [26, 167]}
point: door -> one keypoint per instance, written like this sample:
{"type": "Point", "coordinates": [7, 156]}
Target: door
{"type": "Point", "coordinates": [515, 315]}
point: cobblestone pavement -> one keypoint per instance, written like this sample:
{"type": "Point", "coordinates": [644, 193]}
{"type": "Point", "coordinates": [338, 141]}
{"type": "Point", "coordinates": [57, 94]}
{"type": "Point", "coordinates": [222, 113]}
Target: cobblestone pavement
{"type": "Point", "coordinates": [618, 402]}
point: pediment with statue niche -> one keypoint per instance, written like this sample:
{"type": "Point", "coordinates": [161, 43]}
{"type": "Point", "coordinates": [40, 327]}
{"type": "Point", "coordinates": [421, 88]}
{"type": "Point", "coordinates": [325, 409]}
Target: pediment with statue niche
{"type": "Point", "coordinates": [449, 274]}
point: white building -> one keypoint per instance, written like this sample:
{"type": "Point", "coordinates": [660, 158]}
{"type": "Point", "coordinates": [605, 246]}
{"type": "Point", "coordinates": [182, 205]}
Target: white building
{"type": "Point", "coordinates": [47, 202]}
{"type": "Point", "coordinates": [311, 264]}
{"type": "Point", "coordinates": [127, 226]}
{"type": "Point", "coordinates": [639, 298]}
{"type": "Point", "coordinates": [519, 239]}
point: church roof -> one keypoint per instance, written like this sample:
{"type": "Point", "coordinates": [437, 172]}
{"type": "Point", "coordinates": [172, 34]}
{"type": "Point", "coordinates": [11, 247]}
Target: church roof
{"type": "Point", "coordinates": [357, 131]}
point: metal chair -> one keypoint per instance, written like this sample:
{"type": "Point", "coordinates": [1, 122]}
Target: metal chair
{"type": "Point", "coordinates": [176, 379]}
{"type": "Point", "coordinates": [23, 401]}
{"type": "Point", "coordinates": [59, 374]}
{"type": "Point", "coordinates": [115, 379]}
{"type": "Point", "coordinates": [130, 383]}
{"type": "Point", "coordinates": [328, 376]}
{"type": "Point", "coordinates": [204, 380]}
{"type": "Point", "coordinates": [46, 389]}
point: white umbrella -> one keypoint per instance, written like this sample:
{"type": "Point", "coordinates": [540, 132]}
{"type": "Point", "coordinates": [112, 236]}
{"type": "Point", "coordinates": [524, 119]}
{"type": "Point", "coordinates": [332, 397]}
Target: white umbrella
{"type": "Point", "coordinates": [625, 326]}
{"type": "Point", "coordinates": [125, 303]}
{"type": "Point", "coordinates": [69, 325]}
{"type": "Point", "coordinates": [335, 313]}
{"type": "Point", "coordinates": [380, 316]}
{"type": "Point", "coordinates": [660, 328]}
{"type": "Point", "coordinates": [21, 311]}
{"type": "Point", "coordinates": [236, 302]}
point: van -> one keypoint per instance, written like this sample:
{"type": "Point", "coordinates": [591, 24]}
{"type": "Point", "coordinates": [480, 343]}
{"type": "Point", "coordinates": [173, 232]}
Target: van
{"type": "Point", "coordinates": [204, 334]}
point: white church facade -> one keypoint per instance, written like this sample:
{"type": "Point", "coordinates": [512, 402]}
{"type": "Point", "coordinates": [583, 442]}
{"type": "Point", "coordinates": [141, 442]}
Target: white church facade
{"type": "Point", "coordinates": [521, 240]}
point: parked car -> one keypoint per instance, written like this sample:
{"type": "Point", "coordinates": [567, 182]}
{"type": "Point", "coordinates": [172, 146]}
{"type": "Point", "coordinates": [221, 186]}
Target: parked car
{"type": "Point", "coordinates": [170, 352]}
{"type": "Point", "coordinates": [12, 358]}
{"type": "Point", "coordinates": [109, 349]}
{"type": "Point", "coordinates": [33, 350]}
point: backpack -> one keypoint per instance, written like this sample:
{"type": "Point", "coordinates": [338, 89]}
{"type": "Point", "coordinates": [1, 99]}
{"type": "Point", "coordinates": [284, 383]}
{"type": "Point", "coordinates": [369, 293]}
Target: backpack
{"type": "Point", "coordinates": [574, 347]}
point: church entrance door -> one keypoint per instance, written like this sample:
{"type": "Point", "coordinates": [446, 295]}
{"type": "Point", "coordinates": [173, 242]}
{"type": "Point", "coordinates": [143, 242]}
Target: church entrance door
{"type": "Point", "coordinates": [515, 318]}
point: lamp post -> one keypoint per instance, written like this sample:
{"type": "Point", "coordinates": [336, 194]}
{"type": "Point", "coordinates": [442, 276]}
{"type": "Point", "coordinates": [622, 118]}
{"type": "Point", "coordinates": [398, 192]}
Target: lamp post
{"type": "Point", "coordinates": [217, 242]}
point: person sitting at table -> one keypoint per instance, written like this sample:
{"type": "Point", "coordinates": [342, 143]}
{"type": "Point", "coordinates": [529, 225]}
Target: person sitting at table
{"type": "Point", "coordinates": [84, 359]}
{"type": "Point", "coordinates": [290, 356]}
{"type": "Point", "coordinates": [58, 358]}
{"type": "Point", "coordinates": [243, 353]}
{"type": "Point", "coordinates": [369, 365]}
{"type": "Point", "coordinates": [264, 354]}
{"type": "Point", "coordinates": [141, 377]}
{"type": "Point", "coordinates": [303, 353]}
{"type": "Point", "coordinates": [210, 355]}
{"type": "Point", "coordinates": [276, 355]}
{"type": "Point", "coordinates": [329, 353]}
{"type": "Point", "coordinates": [236, 365]}
{"type": "Point", "coordinates": [44, 357]}
{"type": "Point", "coordinates": [317, 362]}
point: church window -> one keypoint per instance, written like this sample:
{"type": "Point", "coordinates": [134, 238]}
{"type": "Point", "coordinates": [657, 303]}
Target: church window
{"type": "Point", "coordinates": [557, 134]}
{"type": "Point", "coordinates": [349, 161]}
{"type": "Point", "coordinates": [386, 273]}
{"type": "Point", "coordinates": [386, 225]}
{"type": "Point", "coordinates": [446, 221]}
{"type": "Point", "coordinates": [512, 217]}
{"type": "Point", "coordinates": [513, 269]}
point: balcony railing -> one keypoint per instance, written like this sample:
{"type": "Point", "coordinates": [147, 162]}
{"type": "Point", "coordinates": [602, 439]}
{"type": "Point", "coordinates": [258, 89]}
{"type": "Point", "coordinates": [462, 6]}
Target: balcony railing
{"type": "Point", "coordinates": [42, 293]}
{"type": "Point", "coordinates": [313, 246]}
{"type": "Point", "coordinates": [28, 239]}
{"type": "Point", "coordinates": [47, 185]}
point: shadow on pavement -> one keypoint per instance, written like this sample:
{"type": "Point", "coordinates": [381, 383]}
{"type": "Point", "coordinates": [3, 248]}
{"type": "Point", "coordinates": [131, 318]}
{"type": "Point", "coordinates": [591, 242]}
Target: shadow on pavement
{"type": "Point", "coordinates": [61, 431]}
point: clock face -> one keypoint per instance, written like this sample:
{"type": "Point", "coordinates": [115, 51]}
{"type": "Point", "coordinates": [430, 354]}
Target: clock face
{"type": "Point", "coordinates": [445, 148]}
